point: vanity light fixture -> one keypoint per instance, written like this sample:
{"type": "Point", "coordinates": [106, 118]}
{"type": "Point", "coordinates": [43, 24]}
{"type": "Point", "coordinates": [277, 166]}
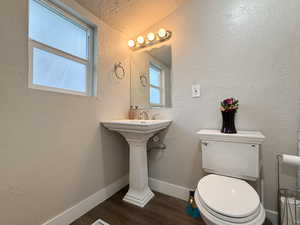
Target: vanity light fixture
{"type": "Point", "coordinates": [151, 36]}
{"type": "Point", "coordinates": [150, 39]}
{"type": "Point", "coordinates": [162, 33]}
{"type": "Point", "coordinates": [140, 40]}
{"type": "Point", "coordinates": [131, 43]}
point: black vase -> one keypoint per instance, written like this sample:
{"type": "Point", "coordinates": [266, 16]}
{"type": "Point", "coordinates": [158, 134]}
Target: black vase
{"type": "Point", "coordinates": [228, 126]}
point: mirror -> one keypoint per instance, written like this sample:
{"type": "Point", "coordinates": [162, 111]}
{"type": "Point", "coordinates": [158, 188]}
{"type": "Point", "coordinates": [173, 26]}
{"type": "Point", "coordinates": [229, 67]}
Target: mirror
{"type": "Point", "coordinates": [151, 71]}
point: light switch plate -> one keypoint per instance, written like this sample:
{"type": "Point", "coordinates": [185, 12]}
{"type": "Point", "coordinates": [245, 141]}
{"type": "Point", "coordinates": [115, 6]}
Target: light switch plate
{"type": "Point", "coordinates": [196, 91]}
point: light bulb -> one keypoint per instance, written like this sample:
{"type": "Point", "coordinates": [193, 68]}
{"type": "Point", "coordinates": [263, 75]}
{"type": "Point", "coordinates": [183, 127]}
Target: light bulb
{"type": "Point", "coordinates": [131, 43]}
{"type": "Point", "coordinates": [140, 40]}
{"type": "Point", "coordinates": [151, 36]}
{"type": "Point", "coordinates": [162, 33]}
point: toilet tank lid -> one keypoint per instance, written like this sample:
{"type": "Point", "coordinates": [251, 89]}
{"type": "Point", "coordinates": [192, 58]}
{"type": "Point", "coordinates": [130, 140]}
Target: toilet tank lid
{"type": "Point", "coordinates": [250, 137]}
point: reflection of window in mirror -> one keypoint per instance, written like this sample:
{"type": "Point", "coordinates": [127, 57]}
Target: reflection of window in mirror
{"type": "Point", "coordinates": [156, 86]}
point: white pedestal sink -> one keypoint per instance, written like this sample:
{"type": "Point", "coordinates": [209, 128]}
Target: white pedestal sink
{"type": "Point", "coordinates": [137, 133]}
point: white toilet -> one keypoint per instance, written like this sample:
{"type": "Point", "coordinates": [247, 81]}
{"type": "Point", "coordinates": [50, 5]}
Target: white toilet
{"type": "Point", "coordinates": [223, 197]}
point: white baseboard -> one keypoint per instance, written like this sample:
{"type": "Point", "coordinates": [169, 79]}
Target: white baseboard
{"type": "Point", "coordinates": [183, 193]}
{"type": "Point", "coordinates": [73, 213]}
{"type": "Point", "coordinates": [272, 216]}
{"type": "Point", "coordinates": [169, 189]}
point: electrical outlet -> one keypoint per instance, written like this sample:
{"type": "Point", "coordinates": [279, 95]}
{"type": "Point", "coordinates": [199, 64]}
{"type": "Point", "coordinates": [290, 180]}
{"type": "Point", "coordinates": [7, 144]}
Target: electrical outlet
{"type": "Point", "coordinates": [196, 91]}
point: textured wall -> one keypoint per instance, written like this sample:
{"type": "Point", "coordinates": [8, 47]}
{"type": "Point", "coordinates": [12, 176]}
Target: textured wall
{"type": "Point", "coordinates": [53, 153]}
{"type": "Point", "coordinates": [249, 49]}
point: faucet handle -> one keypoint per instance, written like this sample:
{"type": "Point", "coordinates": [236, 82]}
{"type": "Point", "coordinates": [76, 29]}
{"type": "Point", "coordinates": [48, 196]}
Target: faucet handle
{"type": "Point", "coordinates": [140, 114]}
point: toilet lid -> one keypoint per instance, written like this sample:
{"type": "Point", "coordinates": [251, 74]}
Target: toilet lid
{"type": "Point", "coordinates": [228, 196]}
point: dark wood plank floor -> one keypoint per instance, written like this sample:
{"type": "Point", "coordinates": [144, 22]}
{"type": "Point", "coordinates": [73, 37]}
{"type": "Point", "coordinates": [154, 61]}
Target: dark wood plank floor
{"type": "Point", "coordinates": [161, 210]}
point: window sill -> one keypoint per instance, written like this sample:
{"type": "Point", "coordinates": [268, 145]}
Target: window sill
{"type": "Point", "coordinates": [57, 90]}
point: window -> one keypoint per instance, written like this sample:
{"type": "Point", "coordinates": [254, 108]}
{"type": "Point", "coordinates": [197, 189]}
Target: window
{"type": "Point", "coordinates": [156, 85]}
{"type": "Point", "coordinates": [60, 50]}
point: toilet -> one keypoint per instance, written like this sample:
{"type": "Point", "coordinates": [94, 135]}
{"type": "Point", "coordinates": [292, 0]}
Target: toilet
{"type": "Point", "coordinates": [223, 196]}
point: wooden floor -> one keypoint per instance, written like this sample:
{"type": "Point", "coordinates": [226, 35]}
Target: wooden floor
{"type": "Point", "coordinates": [161, 210]}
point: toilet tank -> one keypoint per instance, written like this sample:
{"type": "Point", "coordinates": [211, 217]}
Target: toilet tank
{"type": "Point", "coordinates": [235, 155]}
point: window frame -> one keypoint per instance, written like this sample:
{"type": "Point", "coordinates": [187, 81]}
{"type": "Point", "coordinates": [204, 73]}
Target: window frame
{"type": "Point", "coordinates": [161, 86]}
{"type": "Point", "coordinates": [89, 62]}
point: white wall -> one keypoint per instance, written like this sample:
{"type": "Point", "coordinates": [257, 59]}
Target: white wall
{"type": "Point", "coordinates": [249, 49]}
{"type": "Point", "coordinates": [53, 153]}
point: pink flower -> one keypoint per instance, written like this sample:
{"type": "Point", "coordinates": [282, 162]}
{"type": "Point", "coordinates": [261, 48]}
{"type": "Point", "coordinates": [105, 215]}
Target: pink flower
{"type": "Point", "coordinates": [229, 101]}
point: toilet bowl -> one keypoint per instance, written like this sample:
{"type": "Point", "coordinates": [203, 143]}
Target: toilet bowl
{"type": "Point", "coordinates": [228, 201]}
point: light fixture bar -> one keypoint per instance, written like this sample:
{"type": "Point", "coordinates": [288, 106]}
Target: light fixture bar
{"type": "Point", "coordinates": [150, 39]}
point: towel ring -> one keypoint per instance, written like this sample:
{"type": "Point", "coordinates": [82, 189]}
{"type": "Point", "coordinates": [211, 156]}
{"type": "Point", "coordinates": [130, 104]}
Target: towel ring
{"type": "Point", "coordinates": [119, 71]}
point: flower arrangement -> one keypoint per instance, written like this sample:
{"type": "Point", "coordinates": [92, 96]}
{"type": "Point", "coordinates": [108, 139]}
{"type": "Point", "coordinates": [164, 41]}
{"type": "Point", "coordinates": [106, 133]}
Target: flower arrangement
{"type": "Point", "coordinates": [229, 107]}
{"type": "Point", "coordinates": [229, 104]}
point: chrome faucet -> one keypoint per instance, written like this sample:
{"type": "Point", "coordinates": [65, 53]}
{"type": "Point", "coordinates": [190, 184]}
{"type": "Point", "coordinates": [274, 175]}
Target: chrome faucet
{"type": "Point", "coordinates": [144, 115]}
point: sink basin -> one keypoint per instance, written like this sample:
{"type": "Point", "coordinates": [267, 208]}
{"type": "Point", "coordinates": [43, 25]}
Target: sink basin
{"type": "Point", "coordinates": [137, 134]}
{"type": "Point", "coordinates": [136, 126]}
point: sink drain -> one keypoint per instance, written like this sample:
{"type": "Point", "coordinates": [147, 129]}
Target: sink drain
{"type": "Point", "coordinates": [100, 222]}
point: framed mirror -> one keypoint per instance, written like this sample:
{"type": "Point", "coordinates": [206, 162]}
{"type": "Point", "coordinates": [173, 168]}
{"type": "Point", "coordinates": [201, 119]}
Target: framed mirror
{"type": "Point", "coordinates": [151, 71]}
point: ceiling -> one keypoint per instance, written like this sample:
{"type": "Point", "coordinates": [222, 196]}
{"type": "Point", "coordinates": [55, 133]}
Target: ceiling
{"type": "Point", "coordinates": [131, 16]}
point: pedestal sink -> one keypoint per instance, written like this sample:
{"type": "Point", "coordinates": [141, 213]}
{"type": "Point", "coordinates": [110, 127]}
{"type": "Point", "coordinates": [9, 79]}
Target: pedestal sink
{"type": "Point", "coordinates": [137, 133]}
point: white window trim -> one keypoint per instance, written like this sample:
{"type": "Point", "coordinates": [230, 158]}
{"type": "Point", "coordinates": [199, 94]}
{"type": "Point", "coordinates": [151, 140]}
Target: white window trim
{"type": "Point", "coordinates": [161, 88]}
{"type": "Point", "coordinates": [89, 62]}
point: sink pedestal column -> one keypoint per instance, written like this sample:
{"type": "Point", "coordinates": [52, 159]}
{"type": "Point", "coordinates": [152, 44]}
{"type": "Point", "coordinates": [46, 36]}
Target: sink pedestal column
{"type": "Point", "coordinates": [139, 192]}
{"type": "Point", "coordinates": [137, 133]}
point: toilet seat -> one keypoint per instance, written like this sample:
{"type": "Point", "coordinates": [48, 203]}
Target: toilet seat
{"type": "Point", "coordinates": [229, 200]}
{"type": "Point", "coordinates": [210, 219]}
{"type": "Point", "coordinates": [236, 220]}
